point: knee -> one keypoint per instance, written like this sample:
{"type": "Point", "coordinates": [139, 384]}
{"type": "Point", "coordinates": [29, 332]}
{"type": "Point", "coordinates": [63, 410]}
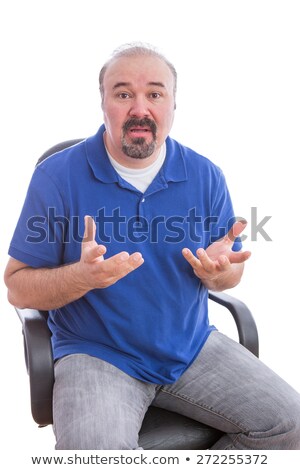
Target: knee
{"type": "Point", "coordinates": [276, 427]}
{"type": "Point", "coordinates": [284, 407]}
{"type": "Point", "coordinates": [286, 431]}
{"type": "Point", "coordinates": [291, 423]}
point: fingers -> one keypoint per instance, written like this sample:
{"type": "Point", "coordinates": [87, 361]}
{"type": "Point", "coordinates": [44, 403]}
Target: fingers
{"type": "Point", "coordinates": [197, 263]}
{"type": "Point", "coordinates": [237, 228]}
{"type": "Point", "coordinates": [121, 264]}
{"type": "Point", "coordinates": [209, 265]}
{"type": "Point", "coordinates": [204, 261]}
{"type": "Point", "coordinates": [89, 229]}
{"type": "Point", "coordinates": [93, 253]}
{"type": "Point", "coordinates": [204, 264]}
{"type": "Point", "coordinates": [90, 250]}
{"type": "Point", "coordinates": [239, 256]}
{"type": "Point", "coordinates": [108, 272]}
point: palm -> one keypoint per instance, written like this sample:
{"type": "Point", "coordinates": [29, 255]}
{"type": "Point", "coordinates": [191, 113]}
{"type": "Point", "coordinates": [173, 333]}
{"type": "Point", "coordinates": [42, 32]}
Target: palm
{"type": "Point", "coordinates": [223, 247]}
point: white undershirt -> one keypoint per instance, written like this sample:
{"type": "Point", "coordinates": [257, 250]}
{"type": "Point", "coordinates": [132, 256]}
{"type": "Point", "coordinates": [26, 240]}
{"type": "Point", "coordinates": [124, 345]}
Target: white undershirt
{"type": "Point", "coordinates": [140, 178]}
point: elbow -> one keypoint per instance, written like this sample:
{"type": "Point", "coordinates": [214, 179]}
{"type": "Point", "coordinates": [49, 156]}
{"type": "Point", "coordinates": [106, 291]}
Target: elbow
{"type": "Point", "coordinates": [10, 295]}
{"type": "Point", "coordinates": [13, 297]}
{"type": "Point", "coordinates": [14, 300]}
{"type": "Point", "coordinates": [16, 295]}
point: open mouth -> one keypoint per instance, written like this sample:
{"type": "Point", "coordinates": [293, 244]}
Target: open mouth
{"type": "Point", "coordinates": [139, 131]}
{"type": "Point", "coordinates": [140, 128]}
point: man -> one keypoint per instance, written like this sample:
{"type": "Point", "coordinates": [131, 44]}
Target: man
{"type": "Point", "coordinates": [120, 237]}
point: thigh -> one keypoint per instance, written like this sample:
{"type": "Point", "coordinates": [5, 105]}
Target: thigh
{"type": "Point", "coordinates": [96, 405]}
{"type": "Point", "coordinates": [228, 388]}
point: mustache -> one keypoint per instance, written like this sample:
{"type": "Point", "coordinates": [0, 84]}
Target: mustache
{"type": "Point", "coordinates": [144, 122]}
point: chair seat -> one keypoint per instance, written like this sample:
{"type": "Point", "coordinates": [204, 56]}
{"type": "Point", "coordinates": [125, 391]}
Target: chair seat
{"type": "Point", "coordinates": [165, 430]}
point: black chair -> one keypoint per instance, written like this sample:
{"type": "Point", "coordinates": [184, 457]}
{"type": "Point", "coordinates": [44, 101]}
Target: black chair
{"type": "Point", "coordinates": [161, 429]}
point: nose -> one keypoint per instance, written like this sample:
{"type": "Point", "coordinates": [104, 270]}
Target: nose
{"type": "Point", "coordinates": [139, 107]}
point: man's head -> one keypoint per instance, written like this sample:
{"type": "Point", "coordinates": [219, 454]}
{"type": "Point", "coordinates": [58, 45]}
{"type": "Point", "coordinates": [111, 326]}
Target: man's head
{"type": "Point", "coordinates": [138, 88]}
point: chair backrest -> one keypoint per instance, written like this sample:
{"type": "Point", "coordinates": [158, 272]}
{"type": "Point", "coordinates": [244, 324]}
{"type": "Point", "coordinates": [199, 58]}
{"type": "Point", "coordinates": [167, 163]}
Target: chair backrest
{"type": "Point", "coordinates": [58, 147]}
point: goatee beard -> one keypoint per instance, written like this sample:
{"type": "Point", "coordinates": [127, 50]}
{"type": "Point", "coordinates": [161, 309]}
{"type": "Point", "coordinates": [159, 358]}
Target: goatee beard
{"type": "Point", "coordinates": [139, 148]}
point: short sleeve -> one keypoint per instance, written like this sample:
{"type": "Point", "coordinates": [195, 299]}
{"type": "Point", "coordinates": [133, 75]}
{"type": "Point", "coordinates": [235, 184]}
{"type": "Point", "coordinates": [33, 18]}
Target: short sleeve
{"type": "Point", "coordinates": [222, 213]}
{"type": "Point", "coordinates": [39, 234]}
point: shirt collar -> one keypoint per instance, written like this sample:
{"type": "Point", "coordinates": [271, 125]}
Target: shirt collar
{"type": "Point", "coordinates": [173, 169]}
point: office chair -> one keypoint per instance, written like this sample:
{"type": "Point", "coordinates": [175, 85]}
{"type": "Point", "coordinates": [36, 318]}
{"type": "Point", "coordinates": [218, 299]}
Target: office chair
{"type": "Point", "coordinates": [161, 429]}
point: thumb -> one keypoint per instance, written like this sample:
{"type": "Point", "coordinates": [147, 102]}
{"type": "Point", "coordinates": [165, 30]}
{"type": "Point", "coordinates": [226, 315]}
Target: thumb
{"type": "Point", "coordinates": [89, 229]}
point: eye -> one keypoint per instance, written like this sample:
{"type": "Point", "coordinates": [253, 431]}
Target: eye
{"type": "Point", "coordinates": [124, 95]}
{"type": "Point", "coordinates": [155, 95]}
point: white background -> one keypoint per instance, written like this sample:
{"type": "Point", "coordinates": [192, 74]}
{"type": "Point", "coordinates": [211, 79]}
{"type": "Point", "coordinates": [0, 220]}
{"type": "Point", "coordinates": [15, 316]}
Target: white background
{"type": "Point", "coordinates": [238, 104]}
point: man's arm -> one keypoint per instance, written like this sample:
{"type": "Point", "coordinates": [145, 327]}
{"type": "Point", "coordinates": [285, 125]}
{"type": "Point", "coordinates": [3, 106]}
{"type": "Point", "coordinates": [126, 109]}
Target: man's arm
{"type": "Point", "coordinates": [219, 267]}
{"type": "Point", "coordinates": [50, 288]}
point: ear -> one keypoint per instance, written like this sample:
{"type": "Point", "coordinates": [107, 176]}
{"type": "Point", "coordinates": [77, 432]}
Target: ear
{"type": "Point", "coordinates": [102, 99]}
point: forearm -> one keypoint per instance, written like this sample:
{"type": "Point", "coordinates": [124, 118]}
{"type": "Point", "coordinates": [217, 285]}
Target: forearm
{"type": "Point", "coordinates": [45, 288]}
{"type": "Point", "coordinates": [51, 288]}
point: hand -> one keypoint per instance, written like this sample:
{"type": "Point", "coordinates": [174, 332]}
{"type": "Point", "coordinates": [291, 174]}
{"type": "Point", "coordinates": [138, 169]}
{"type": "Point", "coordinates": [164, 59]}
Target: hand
{"type": "Point", "coordinates": [218, 266]}
{"type": "Point", "coordinates": [97, 272]}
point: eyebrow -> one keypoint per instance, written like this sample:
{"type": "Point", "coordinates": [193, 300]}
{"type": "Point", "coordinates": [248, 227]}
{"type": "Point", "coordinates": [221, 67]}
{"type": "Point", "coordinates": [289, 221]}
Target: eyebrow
{"type": "Point", "coordinates": [121, 84]}
{"type": "Point", "coordinates": [160, 84]}
{"type": "Point", "coordinates": [126, 84]}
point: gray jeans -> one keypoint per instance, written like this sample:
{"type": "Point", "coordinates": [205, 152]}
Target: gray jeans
{"type": "Point", "coordinates": [97, 406]}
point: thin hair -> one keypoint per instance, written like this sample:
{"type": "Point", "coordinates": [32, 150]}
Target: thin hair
{"type": "Point", "coordinates": [134, 50]}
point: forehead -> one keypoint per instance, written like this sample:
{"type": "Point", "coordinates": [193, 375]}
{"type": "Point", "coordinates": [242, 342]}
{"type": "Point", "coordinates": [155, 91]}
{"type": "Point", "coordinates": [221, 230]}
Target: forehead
{"type": "Point", "coordinates": [138, 71]}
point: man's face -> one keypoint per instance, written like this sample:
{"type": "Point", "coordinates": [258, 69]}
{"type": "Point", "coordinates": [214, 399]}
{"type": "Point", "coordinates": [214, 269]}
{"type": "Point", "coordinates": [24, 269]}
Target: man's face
{"type": "Point", "coordinates": [138, 106]}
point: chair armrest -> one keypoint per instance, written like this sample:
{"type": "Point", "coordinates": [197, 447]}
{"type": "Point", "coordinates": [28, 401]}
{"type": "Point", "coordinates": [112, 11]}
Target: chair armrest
{"type": "Point", "coordinates": [246, 326]}
{"type": "Point", "coordinates": [39, 363]}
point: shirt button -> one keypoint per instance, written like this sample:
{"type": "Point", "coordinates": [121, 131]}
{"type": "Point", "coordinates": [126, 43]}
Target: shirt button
{"type": "Point", "coordinates": [143, 200]}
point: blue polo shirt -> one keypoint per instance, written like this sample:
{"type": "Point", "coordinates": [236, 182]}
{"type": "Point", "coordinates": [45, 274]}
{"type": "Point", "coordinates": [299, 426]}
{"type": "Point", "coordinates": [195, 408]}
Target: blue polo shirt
{"type": "Point", "coordinates": [152, 323]}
